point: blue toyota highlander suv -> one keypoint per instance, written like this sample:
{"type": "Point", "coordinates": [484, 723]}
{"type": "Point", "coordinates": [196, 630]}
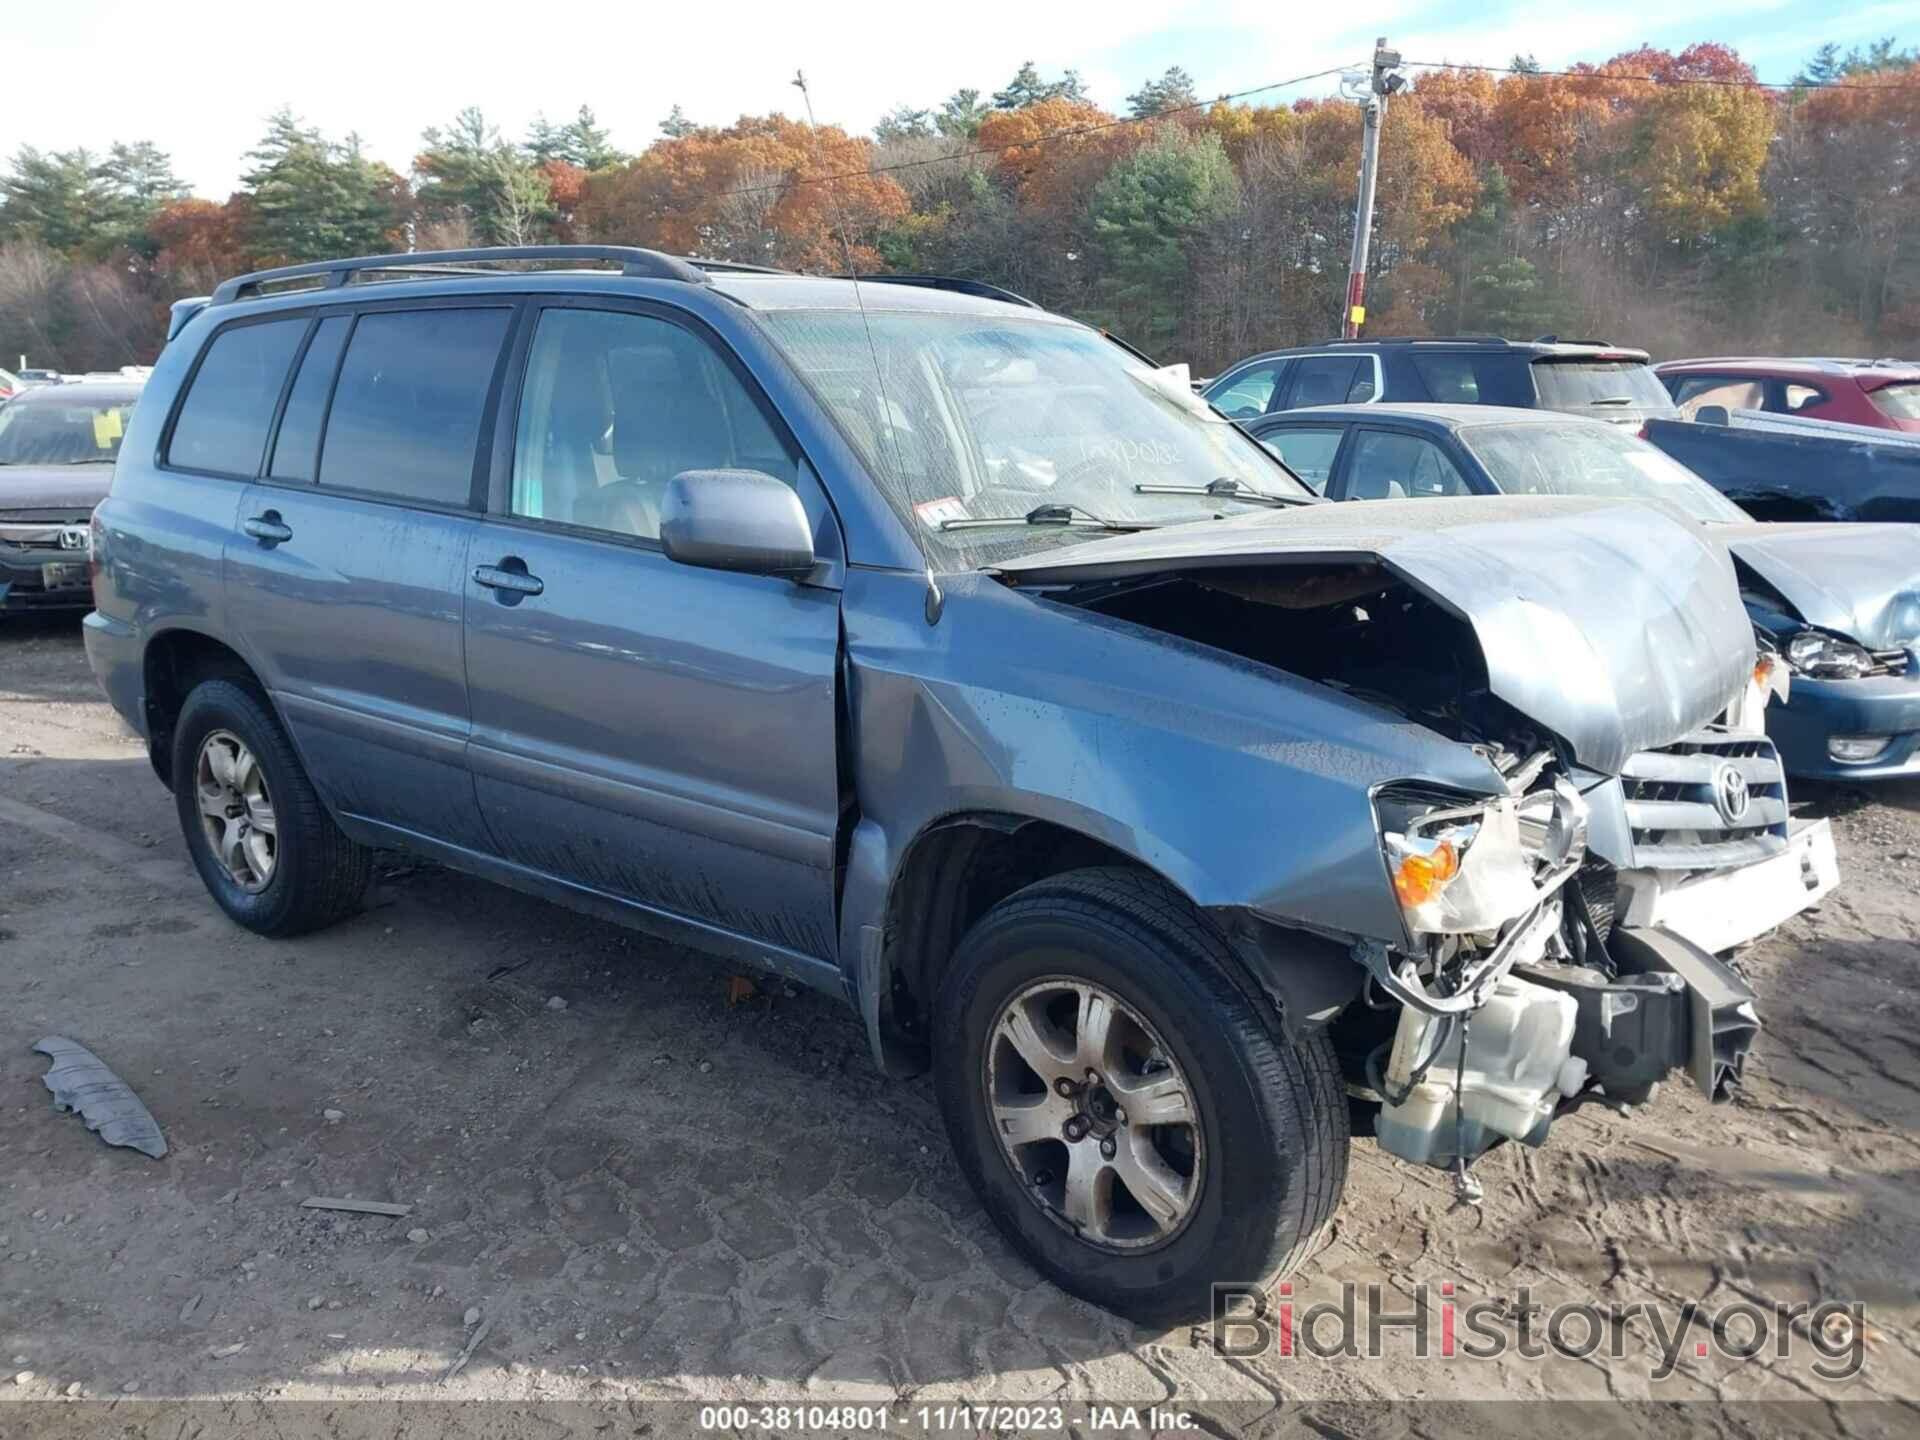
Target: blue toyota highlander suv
{"type": "Point", "coordinates": [938, 653]}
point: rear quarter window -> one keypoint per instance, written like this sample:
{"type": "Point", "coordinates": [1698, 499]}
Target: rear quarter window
{"type": "Point", "coordinates": [1900, 401]}
{"type": "Point", "coordinates": [222, 424]}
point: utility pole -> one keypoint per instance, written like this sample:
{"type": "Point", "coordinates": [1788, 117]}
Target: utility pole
{"type": "Point", "coordinates": [1373, 116]}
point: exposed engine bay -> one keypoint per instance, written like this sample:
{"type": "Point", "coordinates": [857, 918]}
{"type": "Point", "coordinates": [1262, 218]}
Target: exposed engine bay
{"type": "Point", "coordinates": [1356, 628]}
{"type": "Point", "coordinates": [1514, 997]}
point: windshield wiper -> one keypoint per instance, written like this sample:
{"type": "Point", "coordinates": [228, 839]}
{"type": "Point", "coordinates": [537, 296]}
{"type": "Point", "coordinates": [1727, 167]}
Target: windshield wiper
{"type": "Point", "coordinates": [1612, 400]}
{"type": "Point", "coordinates": [1048, 515]}
{"type": "Point", "coordinates": [1225, 488]}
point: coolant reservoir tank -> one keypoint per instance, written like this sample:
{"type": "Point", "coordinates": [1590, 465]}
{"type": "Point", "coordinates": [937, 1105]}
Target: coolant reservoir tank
{"type": "Point", "coordinates": [1519, 1065]}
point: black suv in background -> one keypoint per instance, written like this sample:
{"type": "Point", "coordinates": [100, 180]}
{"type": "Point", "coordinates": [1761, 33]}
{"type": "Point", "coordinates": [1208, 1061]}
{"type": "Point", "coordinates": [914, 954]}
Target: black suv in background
{"type": "Point", "coordinates": [1604, 382]}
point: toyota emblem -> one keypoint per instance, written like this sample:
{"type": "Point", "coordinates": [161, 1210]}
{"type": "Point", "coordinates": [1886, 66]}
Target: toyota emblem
{"type": "Point", "coordinates": [1730, 795]}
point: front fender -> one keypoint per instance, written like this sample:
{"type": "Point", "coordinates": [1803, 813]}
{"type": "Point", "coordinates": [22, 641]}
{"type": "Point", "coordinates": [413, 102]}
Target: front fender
{"type": "Point", "coordinates": [1242, 785]}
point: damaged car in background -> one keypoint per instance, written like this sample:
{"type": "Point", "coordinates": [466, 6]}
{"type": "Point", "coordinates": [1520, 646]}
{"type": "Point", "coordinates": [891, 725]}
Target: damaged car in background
{"type": "Point", "coordinates": [933, 651]}
{"type": "Point", "coordinates": [1836, 607]}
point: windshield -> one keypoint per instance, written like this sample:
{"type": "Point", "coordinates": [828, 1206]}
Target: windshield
{"type": "Point", "coordinates": [1586, 459]}
{"type": "Point", "coordinates": [1580, 384]}
{"type": "Point", "coordinates": [75, 429]}
{"type": "Point", "coordinates": [972, 417]}
{"type": "Point", "coordinates": [1899, 401]}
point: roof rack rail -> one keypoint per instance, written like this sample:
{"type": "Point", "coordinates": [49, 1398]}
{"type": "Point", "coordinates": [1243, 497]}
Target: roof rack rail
{"type": "Point", "coordinates": [332, 274]}
{"type": "Point", "coordinates": [978, 288]}
{"type": "Point", "coordinates": [733, 267]}
{"type": "Point", "coordinates": [1425, 340]}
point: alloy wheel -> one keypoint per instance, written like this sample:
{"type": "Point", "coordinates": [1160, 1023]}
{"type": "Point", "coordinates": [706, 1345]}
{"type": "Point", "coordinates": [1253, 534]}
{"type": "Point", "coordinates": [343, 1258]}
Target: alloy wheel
{"type": "Point", "coordinates": [1094, 1115]}
{"type": "Point", "coordinates": [236, 812]}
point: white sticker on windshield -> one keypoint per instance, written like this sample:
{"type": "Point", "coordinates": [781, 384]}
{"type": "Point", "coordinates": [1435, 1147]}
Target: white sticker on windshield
{"type": "Point", "coordinates": [933, 513]}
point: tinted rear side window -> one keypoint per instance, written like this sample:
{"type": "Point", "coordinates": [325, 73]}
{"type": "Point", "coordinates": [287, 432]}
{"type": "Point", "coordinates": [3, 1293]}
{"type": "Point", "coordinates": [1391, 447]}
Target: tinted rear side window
{"type": "Point", "coordinates": [1461, 377]}
{"type": "Point", "coordinates": [406, 409]}
{"type": "Point", "coordinates": [223, 423]}
{"type": "Point", "coordinates": [299, 439]}
{"type": "Point", "coordinates": [1329, 380]}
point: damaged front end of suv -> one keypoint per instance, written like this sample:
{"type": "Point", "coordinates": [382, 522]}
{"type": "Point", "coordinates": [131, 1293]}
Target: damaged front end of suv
{"type": "Point", "coordinates": [1560, 645]}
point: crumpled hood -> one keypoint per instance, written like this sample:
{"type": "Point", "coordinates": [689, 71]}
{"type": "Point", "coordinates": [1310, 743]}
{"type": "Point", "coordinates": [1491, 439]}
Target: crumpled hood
{"type": "Point", "coordinates": [1860, 581]}
{"type": "Point", "coordinates": [53, 487]}
{"type": "Point", "coordinates": [1616, 626]}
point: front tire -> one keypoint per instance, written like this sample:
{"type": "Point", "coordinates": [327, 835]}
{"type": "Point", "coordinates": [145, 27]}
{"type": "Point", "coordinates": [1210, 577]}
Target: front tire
{"type": "Point", "coordinates": [265, 846]}
{"type": "Point", "coordinates": [1125, 1112]}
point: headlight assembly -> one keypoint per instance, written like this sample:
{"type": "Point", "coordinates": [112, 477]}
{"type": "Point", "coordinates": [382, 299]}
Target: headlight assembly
{"type": "Point", "coordinates": [1827, 657]}
{"type": "Point", "coordinates": [1469, 869]}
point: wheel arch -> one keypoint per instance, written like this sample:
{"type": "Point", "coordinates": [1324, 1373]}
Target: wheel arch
{"type": "Point", "coordinates": [959, 866]}
{"type": "Point", "coordinates": [174, 661]}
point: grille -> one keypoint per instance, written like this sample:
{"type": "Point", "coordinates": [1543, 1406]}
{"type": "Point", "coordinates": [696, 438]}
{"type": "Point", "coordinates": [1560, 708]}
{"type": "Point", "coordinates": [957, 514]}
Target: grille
{"type": "Point", "coordinates": [1674, 812]}
{"type": "Point", "coordinates": [1888, 662]}
{"type": "Point", "coordinates": [36, 530]}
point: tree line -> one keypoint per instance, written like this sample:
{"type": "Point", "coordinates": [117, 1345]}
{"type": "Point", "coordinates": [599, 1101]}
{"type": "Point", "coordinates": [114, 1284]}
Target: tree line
{"type": "Point", "coordinates": [1662, 199]}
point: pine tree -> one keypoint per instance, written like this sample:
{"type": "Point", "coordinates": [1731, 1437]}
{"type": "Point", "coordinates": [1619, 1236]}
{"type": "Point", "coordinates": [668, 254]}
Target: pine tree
{"type": "Point", "coordinates": [1172, 91]}
{"type": "Point", "coordinates": [312, 198]}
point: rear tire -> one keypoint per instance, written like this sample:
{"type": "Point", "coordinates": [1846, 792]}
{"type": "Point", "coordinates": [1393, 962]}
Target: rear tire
{"type": "Point", "coordinates": [1244, 1188]}
{"type": "Point", "coordinates": [266, 848]}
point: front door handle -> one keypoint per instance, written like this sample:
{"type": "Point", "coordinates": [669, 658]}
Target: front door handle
{"type": "Point", "coordinates": [268, 529]}
{"type": "Point", "coordinates": [509, 576]}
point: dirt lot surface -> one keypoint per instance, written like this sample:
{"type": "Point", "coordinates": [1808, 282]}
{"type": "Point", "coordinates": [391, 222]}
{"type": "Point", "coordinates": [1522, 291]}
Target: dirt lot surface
{"type": "Point", "coordinates": [650, 1192]}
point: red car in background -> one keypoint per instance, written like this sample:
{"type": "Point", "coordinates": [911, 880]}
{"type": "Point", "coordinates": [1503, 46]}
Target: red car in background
{"type": "Point", "coordinates": [1882, 393]}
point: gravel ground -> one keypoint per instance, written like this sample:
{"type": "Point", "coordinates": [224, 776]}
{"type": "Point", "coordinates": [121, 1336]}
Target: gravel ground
{"type": "Point", "coordinates": [655, 1190]}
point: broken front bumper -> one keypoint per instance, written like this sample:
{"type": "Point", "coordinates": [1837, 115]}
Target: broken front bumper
{"type": "Point", "coordinates": [1724, 908]}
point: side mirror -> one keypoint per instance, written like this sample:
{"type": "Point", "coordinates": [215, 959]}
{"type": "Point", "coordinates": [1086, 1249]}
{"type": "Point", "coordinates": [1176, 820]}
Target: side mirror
{"type": "Point", "coordinates": [741, 520]}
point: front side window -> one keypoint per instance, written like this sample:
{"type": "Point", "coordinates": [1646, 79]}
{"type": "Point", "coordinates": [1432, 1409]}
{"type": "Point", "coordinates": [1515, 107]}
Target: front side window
{"type": "Point", "coordinates": [614, 406]}
{"type": "Point", "coordinates": [71, 426]}
{"type": "Point", "coordinates": [1582, 458]}
{"type": "Point", "coordinates": [1307, 453]}
{"type": "Point", "coordinates": [405, 420]}
{"type": "Point", "coordinates": [1251, 391]}
{"type": "Point", "coordinates": [969, 417]}
{"type": "Point", "coordinates": [1391, 466]}
{"type": "Point", "coordinates": [222, 425]}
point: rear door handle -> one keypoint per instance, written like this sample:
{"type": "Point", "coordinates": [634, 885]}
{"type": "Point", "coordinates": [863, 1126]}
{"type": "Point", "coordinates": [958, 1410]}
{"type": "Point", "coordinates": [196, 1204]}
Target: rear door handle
{"type": "Point", "coordinates": [268, 529]}
{"type": "Point", "coordinates": [515, 581]}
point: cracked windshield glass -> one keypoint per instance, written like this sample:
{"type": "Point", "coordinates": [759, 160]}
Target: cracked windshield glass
{"type": "Point", "coordinates": [1047, 427]}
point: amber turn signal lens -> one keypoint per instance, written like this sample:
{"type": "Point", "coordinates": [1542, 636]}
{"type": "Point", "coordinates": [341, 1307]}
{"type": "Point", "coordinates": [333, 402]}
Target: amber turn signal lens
{"type": "Point", "coordinates": [1763, 670]}
{"type": "Point", "coordinates": [1418, 878]}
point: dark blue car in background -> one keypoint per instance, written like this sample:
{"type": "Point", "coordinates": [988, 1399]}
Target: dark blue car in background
{"type": "Point", "coordinates": [1841, 604]}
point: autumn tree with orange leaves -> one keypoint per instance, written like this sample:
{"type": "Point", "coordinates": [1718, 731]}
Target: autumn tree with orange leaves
{"type": "Point", "coordinates": [765, 191]}
{"type": "Point", "coordinates": [1662, 198]}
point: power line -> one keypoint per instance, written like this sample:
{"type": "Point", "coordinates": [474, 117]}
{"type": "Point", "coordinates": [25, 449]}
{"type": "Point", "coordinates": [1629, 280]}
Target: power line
{"type": "Point", "coordinates": [1655, 79]}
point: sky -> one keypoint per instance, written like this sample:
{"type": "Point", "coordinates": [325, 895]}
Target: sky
{"type": "Point", "coordinates": [200, 78]}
